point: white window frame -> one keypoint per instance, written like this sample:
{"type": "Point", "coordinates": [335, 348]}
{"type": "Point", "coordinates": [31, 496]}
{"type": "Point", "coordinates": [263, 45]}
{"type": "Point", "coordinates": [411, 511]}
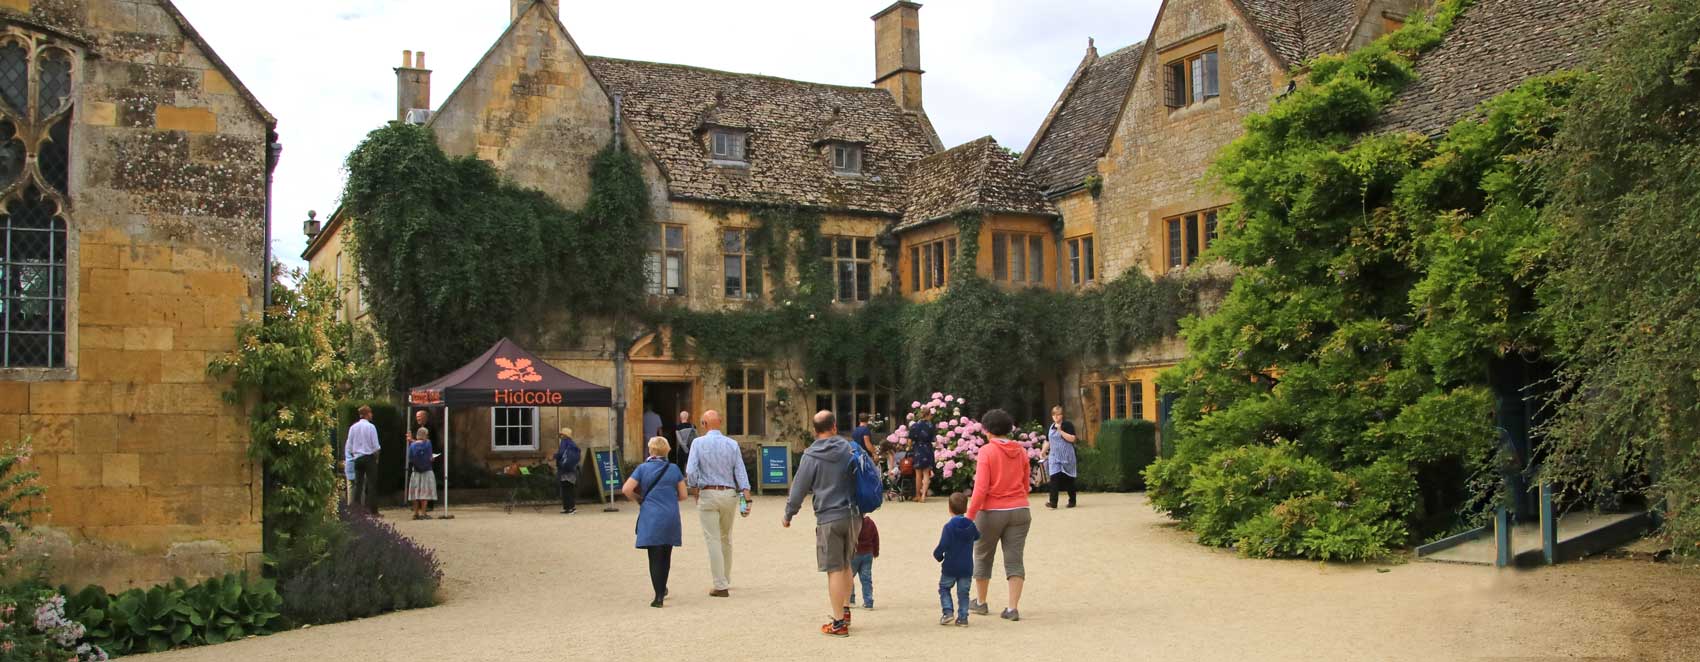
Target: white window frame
{"type": "Point", "coordinates": [728, 146]}
{"type": "Point", "coordinates": [847, 158]}
{"type": "Point", "coordinates": [535, 413]}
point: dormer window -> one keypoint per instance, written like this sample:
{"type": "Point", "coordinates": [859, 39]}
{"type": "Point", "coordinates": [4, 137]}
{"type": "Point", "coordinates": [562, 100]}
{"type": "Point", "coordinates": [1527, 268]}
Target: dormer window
{"type": "Point", "coordinates": [847, 159]}
{"type": "Point", "coordinates": [726, 145]}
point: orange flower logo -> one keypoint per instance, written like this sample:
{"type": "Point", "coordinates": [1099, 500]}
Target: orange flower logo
{"type": "Point", "coordinates": [517, 371]}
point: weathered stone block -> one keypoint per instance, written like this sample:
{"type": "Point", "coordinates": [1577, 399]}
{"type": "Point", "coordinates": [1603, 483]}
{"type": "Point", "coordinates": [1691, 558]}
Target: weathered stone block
{"type": "Point", "coordinates": [145, 257]}
{"type": "Point", "coordinates": [194, 120]}
{"type": "Point", "coordinates": [150, 281]}
{"type": "Point", "coordinates": [92, 337]}
{"type": "Point", "coordinates": [184, 367]}
{"type": "Point", "coordinates": [148, 338]}
{"type": "Point", "coordinates": [212, 82]}
{"type": "Point", "coordinates": [49, 433]}
{"type": "Point", "coordinates": [70, 397]}
{"type": "Point", "coordinates": [109, 365]}
{"type": "Point", "coordinates": [120, 470]}
{"type": "Point", "coordinates": [76, 471]}
{"type": "Point", "coordinates": [14, 397]}
{"type": "Point", "coordinates": [230, 284]}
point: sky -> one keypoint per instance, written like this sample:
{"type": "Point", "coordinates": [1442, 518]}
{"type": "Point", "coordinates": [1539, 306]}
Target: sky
{"type": "Point", "coordinates": [325, 68]}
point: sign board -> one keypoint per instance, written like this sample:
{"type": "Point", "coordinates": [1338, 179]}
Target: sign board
{"type": "Point", "coordinates": [774, 463]}
{"type": "Point", "coordinates": [607, 473]}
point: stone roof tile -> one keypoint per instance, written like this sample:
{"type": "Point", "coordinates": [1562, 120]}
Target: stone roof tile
{"type": "Point", "coordinates": [670, 106]}
{"type": "Point", "coordinates": [1494, 46]}
{"type": "Point", "coordinates": [1298, 30]}
{"type": "Point", "coordinates": [1081, 124]}
{"type": "Point", "coordinates": [976, 176]}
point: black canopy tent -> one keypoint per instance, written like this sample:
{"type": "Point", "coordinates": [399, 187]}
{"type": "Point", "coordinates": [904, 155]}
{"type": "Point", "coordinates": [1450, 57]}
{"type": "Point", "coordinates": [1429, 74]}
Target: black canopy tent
{"type": "Point", "coordinates": [506, 375]}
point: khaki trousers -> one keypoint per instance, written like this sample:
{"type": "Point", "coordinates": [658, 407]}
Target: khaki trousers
{"type": "Point", "coordinates": [718, 510]}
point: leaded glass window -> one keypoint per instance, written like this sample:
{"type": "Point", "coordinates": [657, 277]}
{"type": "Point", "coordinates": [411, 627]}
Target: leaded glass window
{"type": "Point", "coordinates": [36, 103]}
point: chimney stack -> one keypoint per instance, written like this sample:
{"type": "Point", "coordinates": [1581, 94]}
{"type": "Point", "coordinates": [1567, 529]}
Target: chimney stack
{"type": "Point", "coordinates": [897, 53]}
{"type": "Point", "coordinates": [412, 85]}
{"type": "Point", "coordinates": [517, 7]}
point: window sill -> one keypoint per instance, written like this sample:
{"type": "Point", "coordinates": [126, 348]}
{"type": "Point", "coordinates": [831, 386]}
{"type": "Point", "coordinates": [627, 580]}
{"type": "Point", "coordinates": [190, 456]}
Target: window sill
{"type": "Point", "coordinates": [38, 374]}
{"type": "Point", "coordinates": [1205, 106]}
{"type": "Point", "coordinates": [513, 449]}
{"type": "Point", "coordinates": [742, 165]}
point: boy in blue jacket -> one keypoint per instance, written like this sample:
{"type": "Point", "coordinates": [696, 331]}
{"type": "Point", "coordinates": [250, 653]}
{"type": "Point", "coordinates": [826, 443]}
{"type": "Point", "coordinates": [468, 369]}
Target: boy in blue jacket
{"type": "Point", "coordinates": [956, 556]}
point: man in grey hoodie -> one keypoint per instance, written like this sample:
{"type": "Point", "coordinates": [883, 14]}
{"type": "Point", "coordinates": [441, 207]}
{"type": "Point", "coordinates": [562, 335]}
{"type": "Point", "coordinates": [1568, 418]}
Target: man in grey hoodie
{"type": "Point", "coordinates": [825, 473]}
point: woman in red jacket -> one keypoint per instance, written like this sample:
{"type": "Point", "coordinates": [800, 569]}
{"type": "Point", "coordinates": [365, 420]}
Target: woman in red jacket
{"type": "Point", "coordinates": [999, 509]}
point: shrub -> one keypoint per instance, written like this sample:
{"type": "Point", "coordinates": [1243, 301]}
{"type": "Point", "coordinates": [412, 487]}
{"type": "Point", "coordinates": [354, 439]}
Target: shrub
{"type": "Point", "coordinates": [1131, 445]}
{"type": "Point", "coordinates": [18, 491]}
{"type": "Point", "coordinates": [34, 626]}
{"type": "Point", "coordinates": [1099, 471]}
{"type": "Point", "coordinates": [392, 424]}
{"type": "Point", "coordinates": [1273, 501]}
{"type": "Point", "coordinates": [173, 615]}
{"type": "Point", "coordinates": [364, 568]}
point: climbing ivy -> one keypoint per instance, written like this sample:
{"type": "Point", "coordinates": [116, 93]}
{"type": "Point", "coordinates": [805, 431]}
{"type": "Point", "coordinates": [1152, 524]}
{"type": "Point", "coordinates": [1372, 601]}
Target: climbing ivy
{"type": "Point", "coordinates": [454, 258]}
{"type": "Point", "coordinates": [1339, 348]}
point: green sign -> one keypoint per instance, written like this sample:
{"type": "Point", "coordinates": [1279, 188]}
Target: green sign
{"type": "Point", "coordinates": [775, 466]}
{"type": "Point", "coordinates": [607, 473]}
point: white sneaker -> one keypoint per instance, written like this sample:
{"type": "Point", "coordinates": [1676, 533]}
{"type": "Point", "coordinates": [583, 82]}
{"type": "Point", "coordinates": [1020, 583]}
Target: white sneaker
{"type": "Point", "coordinates": [947, 619]}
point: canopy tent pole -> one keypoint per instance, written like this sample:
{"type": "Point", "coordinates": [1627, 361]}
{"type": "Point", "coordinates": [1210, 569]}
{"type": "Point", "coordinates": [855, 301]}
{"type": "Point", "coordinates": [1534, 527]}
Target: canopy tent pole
{"type": "Point", "coordinates": [446, 437]}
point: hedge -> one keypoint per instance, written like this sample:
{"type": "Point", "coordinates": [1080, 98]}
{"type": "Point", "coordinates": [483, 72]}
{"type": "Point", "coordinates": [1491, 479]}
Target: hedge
{"type": "Point", "coordinates": [391, 421]}
{"type": "Point", "coordinates": [1117, 464]}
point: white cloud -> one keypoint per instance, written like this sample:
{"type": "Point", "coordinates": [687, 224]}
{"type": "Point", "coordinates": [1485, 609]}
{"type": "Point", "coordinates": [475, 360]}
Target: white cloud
{"type": "Point", "coordinates": [324, 67]}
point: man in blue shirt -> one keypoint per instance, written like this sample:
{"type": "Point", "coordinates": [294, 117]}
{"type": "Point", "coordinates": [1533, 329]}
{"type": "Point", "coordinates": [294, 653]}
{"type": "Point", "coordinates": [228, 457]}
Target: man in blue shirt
{"type": "Point", "coordinates": [363, 448]}
{"type": "Point", "coordinates": [716, 472]}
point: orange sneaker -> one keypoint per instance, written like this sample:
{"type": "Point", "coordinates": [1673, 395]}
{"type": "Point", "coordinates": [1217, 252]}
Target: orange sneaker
{"type": "Point", "coordinates": [846, 617]}
{"type": "Point", "coordinates": [836, 629]}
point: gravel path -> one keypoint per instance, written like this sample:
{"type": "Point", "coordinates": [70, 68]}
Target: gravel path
{"type": "Point", "coordinates": [1108, 580]}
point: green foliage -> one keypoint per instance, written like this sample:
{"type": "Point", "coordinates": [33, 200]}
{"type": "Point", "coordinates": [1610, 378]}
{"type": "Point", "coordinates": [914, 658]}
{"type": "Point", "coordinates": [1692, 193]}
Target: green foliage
{"type": "Point", "coordinates": [1273, 501]}
{"type": "Point", "coordinates": [1381, 276]}
{"type": "Point", "coordinates": [353, 567]}
{"type": "Point", "coordinates": [178, 614]}
{"type": "Point", "coordinates": [287, 370]}
{"type": "Point", "coordinates": [19, 493]}
{"type": "Point", "coordinates": [455, 258]}
{"type": "Point", "coordinates": [34, 626]}
{"type": "Point", "coordinates": [1622, 299]}
{"type": "Point", "coordinates": [1126, 447]}
{"type": "Point", "coordinates": [393, 428]}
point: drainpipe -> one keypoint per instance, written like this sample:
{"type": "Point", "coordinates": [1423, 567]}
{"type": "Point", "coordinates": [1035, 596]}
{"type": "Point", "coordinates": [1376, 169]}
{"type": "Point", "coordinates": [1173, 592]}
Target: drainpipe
{"type": "Point", "coordinates": [274, 152]}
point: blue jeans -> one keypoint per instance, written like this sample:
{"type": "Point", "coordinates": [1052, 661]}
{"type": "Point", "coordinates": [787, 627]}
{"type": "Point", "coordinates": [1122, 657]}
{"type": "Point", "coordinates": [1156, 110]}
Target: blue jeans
{"type": "Point", "coordinates": [862, 565]}
{"type": "Point", "coordinates": [961, 584]}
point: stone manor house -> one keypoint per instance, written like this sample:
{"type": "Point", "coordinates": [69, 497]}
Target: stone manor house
{"type": "Point", "coordinates": [1114, 179]}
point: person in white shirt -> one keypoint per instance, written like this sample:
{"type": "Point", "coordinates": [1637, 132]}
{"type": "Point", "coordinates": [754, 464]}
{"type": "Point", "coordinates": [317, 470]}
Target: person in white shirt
{"type": "Point", "coordinates": [363, 448]}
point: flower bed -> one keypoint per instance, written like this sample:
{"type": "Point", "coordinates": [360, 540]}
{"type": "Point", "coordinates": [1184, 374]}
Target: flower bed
{"type": "Point", "coordinates": [957, 441]}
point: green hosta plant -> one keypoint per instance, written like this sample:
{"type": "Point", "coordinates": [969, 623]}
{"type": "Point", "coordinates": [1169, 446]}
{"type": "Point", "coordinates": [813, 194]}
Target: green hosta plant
{"type": "Point", "coordinates": [178, 614]}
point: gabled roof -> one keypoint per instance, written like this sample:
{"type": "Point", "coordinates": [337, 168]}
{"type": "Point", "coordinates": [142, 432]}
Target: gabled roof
{"type": "Point", "coordinates": [1066, 148]}
{"type": "Point", "coordinates": [976, 176]}
{"type": "Point", "coordinates": [1493, 47]}
{"type": "Point", "coordinates": [218, 63]}
{"type": "Point", "coordinates": [1298, 30]}
{"type": "Point", "coordinates": [670, 106]}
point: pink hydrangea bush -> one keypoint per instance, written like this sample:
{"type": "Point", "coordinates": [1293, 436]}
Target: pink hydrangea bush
{"type": "Point", "coordinates": [957, 441]}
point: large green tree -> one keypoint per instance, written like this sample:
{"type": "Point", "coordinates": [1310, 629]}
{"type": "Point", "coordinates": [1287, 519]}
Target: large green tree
{"type": "Point", "coordinates": [1623, 296]}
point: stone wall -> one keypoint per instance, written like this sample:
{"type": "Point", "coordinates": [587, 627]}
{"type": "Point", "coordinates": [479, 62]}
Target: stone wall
{"type": "Point", "coordinates": [145, 466]}
{"type": "Point", "coordinates": [531, 108]}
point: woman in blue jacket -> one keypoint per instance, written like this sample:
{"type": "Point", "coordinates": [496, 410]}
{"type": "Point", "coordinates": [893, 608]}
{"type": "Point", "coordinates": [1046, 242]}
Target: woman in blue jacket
{"type": "Point", "coordinates": [657, 486]}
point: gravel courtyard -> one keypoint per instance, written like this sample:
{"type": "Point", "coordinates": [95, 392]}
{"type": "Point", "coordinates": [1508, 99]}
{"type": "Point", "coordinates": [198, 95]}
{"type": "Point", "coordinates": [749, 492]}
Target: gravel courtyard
{"type": "Point", "coordinates": [1110, 580]}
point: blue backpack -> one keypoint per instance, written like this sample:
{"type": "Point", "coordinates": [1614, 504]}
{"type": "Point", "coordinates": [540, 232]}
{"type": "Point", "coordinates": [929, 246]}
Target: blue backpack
{"type": "Point", "coordinates": [870, 485]}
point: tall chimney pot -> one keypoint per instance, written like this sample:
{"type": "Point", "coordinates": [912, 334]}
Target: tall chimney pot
{"type": "Point", "coordinates": [897, 53]}
{"type": "Point", "coordinates": [412, 85]}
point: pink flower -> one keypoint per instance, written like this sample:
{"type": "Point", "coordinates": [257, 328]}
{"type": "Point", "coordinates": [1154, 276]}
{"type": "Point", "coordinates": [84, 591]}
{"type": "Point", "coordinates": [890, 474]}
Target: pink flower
{"type": "Point", "coordinates": [950, 398]}
{"type": "Point", "coordinates": [915, 405]}
{"type": "Point", "coordinates": [937, 395]}
{"type": "Point", "coordinates": [947, 472]}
